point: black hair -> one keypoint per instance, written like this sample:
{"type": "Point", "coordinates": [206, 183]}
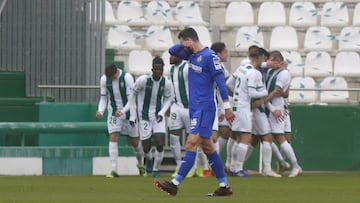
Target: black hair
{"type": "Point", "coordinates": [158, 60]}
{"type": "Point", "coordinates": [218, 47]}
{"type": "Point", "coordinates": [110, 70]}
{"type": "Point", "coordinates": [188, 33]}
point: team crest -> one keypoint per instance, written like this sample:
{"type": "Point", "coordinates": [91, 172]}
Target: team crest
{"type": "Point", "coordinates": [199, 59]}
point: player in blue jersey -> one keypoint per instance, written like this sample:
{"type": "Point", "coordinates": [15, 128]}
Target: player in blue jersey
{"type": "Point", "coordinates": [204, 70]}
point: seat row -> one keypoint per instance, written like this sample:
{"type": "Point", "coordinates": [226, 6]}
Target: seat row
{"type": "Point", "coordinates": [133, 13]}
{"type": "Point", "coordinates": [330, 90]}
{"type": "Point", "coordinates": [301, 14]}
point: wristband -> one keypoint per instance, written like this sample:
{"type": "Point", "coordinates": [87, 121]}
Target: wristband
{"type": "Point", "coordinates": [226, 105]}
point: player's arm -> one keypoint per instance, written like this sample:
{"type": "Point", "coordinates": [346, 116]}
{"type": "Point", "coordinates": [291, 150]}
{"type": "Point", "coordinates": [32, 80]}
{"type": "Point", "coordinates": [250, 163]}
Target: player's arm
{"type": "Point", "coordinates": [179, 51]}
{"type": "Point", "coordinates": [168, 100]}
{"type": "Point", "coordinates": [103, 98]}
{"type": "Point", "coordinates": [230, 83]}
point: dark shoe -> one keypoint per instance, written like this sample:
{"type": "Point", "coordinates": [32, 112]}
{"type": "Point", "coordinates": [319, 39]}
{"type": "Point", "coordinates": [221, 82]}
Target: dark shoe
{"type": "Point", "coordinates": [168, 187]}
{"type": "Point", "coordinates": [222, 191]}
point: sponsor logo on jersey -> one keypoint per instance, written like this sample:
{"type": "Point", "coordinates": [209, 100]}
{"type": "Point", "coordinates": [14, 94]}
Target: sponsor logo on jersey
{"type": "Point", "coordinates": [196, 68]}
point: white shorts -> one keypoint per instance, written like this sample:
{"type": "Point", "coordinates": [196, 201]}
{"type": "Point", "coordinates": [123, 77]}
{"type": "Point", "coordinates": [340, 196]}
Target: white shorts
{"type": "Point", "coordinates": [215, 126]}
{"type": "Point", "coordinates": [277, 127]}
{"type": "Point", "coordinates": [287, 121]}
{"type": "Point", "coordinates": [148, 128]}
{"type": "Point", "coordinates": [243, 121]}
{"type": "Point", "coordinates": [179, 118]}
{"type": "Point", "coordinates": [224, 122]}
{"type": "Point", "coordinates": [121, 126]}
{"type": "Point", "coordinates": [261, 124]}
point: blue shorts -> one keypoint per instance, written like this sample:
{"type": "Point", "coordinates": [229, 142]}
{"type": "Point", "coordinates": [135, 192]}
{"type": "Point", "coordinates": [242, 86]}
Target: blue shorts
{"type": "Point", "coordinates": [202, 122]}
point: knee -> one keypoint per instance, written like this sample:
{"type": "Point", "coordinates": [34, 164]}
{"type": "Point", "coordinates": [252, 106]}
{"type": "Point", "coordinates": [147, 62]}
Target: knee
{"type": "Point", "coordinates": [159, 148]}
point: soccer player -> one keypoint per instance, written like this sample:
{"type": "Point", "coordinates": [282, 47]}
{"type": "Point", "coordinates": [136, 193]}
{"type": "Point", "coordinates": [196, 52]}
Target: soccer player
{"type": "Point", "coordinates": [116, 86]}
{"type": "Point", "coordinates": [279, 79]}
{"type": "Point", "coordinates": [154, 97]}
{"type": "Point", "coordinates": [179, 111]}
{"type": "Point", "coordinates": [204, 70]}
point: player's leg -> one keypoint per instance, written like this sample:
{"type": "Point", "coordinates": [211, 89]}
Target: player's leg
{"type": "Point", "coordinates": [229, 145]}
{"type": "Point", "coordinates": [159, 130]}
{"type": "Point", "coordinates": [114, 128]}
{"type": "Point", "coordinates": [145, 132]}
{"type": "Point", "coordinates": [176, 126]}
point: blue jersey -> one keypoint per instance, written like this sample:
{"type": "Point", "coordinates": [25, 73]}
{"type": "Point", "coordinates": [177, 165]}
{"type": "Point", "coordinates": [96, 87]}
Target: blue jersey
{"type": "Point", "coordinates": [204, 69]}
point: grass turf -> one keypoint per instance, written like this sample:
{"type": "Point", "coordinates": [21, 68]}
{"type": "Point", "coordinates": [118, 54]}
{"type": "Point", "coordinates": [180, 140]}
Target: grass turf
{"type": "Point", "coordinates": [319, 188]}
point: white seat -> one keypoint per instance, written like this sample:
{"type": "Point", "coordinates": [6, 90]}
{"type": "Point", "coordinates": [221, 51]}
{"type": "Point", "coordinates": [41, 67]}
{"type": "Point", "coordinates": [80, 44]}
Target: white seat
{"type": "Point", "coordinates": [160, 12]}
{"type": "Point", "coordinates": [303, 14]}
{"type": "Point", "coordinates": [158, 38]}
{"type": "Point", "coordinates": [295, 62]}
{"type": "Point", "coordinates": [131, 13]}
{"type": "Point", "coordinates": [247, 36]}
{"type": "Point", "coordinates": [305, 96]}
{"type": "Point", "coordinates": [188, 13]}
{"type": "Point", "coordinates": [334, 96]}
{"type": "Point", "coordinates": [109, 14]}
{"type": "Point", "coordinates": [271, 14]}
{"type": "Point", "coordinates": [166, 58]}
{"type": "Point", "coordinates": [318, 38]}
{"type": "Point", "coordinates": [318, 64]}
{"type": "Point", "coordinates": [334, 14]}
{"type": "Point", "coordinates": [284, 38]}
{"type": "Point", "coordinates": [204, 35]}
{"type": "Point", "coordinates": [347, 64]}
{"type": "Point", "coordinates": [139, 62]}
{"type": "Point", "coordinates": [356, 15]}
{"type": "Point", "coordinates": [349, 39]}
{"type": "Point", "coordinates": [122, 37]}
{"type": "Point", "coordinates": [232, 17]}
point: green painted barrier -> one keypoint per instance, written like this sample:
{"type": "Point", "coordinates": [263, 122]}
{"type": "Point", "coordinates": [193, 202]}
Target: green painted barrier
{"type": "Point", "coordinates": [53, 127]}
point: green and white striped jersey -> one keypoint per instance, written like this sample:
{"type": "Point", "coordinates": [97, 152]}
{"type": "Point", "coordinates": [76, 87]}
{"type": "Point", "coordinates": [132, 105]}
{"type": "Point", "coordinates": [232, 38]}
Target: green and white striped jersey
{"type": "Point", "coordinates": [179, 78]}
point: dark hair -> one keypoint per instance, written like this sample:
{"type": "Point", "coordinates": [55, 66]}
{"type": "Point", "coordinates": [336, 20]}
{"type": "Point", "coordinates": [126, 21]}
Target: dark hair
{"type": "Point", "coordinates": [277, 55]}
{"type": "Point", "coordinates": [263, 52]}
{"type": "Point", "coordinates": [188, 33]}
{"type": "Point", "coordinates": [254, 52]}
{"type": "Point", "coordinates": [218, 47]}
{"type": "Point", "coordinates": [157, 60]}
{"type": "Point", "coordinates": [110, 70]}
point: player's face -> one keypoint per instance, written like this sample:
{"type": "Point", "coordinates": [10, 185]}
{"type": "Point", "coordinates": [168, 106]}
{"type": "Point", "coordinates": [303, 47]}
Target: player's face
{"type": "Point", "coordinates": [223, 55]}
{"type": "Point", "coordinates": [175, 60]}
{"type": "Point", "coordinates": [157, 70]}
{"type": "Point", "coordinates": [187, 44]}
{"type": "Point", "coordinates": [116, 75]}
{"type": "Point", "coordinates": [275, 62]}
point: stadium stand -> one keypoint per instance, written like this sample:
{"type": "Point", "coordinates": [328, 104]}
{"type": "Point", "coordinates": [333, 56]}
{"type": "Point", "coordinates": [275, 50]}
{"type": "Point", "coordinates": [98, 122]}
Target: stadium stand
{"type": "Point", "coordinates": [247, 36]}
{"type": "Point", "coordinates": [204, 34]}
{"type": "Point", "coordinates": [298, 96]}
{"type": "Point", "coordinates": [284, 38]}
{"type": "Point", "coordinates": [139, 62]}
{"type": "Point", "coordinates": [349, 39]}
{"type": "Point", "coordinates": [232, 17]}
{"type": "Point", "coordinates": [295, 63]}
{"type": "Point", "coordinates": [160, 13]}
{"type": "Point", "coordinates": [334, 96]}
{"type": "Point", "coordinates": [188, 13]}
{"type": "Point", "coordinates": [356, 15]}
{"type": "Point", "coordinates": [334, 14]}
{"type": "Point", "coordinates": [158, 38]}
{"type": "Point", "coordinates": [318, 64]}
{"type": "Point", "coordinates": [266, 15]}
{"type": "Point", "coordinates": [347, 64]}
{"type": "Point", "coordinates": [109, 14]}
{"type": "Point", "coordinates": [303, 14]}
{"type": "Point", "coordinates": [122, 37]}
{"type": "Point", "coordinates": [318, 38]}
{"type": "Point", "coordinates": [131, 12]}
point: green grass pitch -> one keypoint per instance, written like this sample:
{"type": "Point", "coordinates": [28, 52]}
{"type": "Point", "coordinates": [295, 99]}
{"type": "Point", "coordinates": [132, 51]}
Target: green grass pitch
{"type": "Point", "coordinates": [308, 188]}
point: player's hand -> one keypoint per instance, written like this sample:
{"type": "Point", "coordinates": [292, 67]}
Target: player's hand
{"type": "Point", "coordinates": [256, 104]}
{"type": "Point", "coordinates": [229, 115]}
{"type": "Point", "coordinates": [159, 118]}
{"type": "Point", "coordinates": [278, 115]}
{"type": "Point", "coordinates": [118, 113]}
{"type": "Point", "coordinates": [167, 113]}
{"type": "Point", "coordinates": [99, 115]}
{"type": "Point", "coordinates": [221, 117]}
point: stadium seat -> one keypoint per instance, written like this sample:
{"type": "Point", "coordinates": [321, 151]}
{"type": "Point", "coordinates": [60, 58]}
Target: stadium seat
{"type": "Point", "coordinates": [302, 96]}
{"type": "Point", "coordinates": [204, 35]}
{"type": "Point", "coordinates": [295, 63]}
{"type": "Point", "coordinates": [188, 13]}
{"type": "Point", "coordinates": [232, 17]}
{"type": "Point", "coordinates": [130, 12]}
{"type": "Point", "coordinates": [160, 13]}
{"type": "Point", "coordinates": [334, 14]}
{"type": "Point", "coordinates": [166, 58]}
{"type": "Point", "coordinates": [334, 96]}
{"type": "Point", "coordinates": [139, 62]}
{"type": "Point", "coordinates": [318, 38]}
{"type": "Point", "coordinates": [356, 15]}
{"type": "Point", "coordinates": [303, 14]}
{"type": "Point", "coordinates": [284, 38]}
{"type": "Point", "coordinates": [349, 39]}
{"type": "Point", "coordinates": [122, 37]}
{"type": "Point", "coordinates": [247, 36]}
{"type": "Point", "coordinates": [271, 14]}
{"type": "Point", "coordinates": [347, 64]}
{"type": "Point", "coordinates": [318, 64]}
{"type": "Point", "coordinates": [158, 38]}
{"type": "Point", "coordinates": [109, 14]}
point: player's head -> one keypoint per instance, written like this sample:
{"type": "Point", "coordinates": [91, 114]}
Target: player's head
{"type": "Point", "coordinates": [188, 37]}
{"type": "Point", "coordinates": [255, 56]}
{"type": "Point", "coordinates": [264, 54]}
{"type": "Point", "coordinates": [276, 58]}
{"type": "Point", "coordinates": [221, 50]}
{"type": "Point", "coordinates": [157, 67]}
{"type": "Point", "coordinates": [175, 60]}
{"type": "Point", "coordinates": [111, 71]}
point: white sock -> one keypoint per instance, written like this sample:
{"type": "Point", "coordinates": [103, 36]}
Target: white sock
{"type": "Point", "coordinates": [229, 147]}
{"type": "Point", "coordinates": [266, 153]}
{"type": "Point", "coordinates": [176, 148]}
{"type": "Point", "coordinates": [113, 155]}
{"type": "Point", "coordinates": [139, 153]}
{"type": "Point", "coordinates": [158, 157]}
{"type": "Point", "coordinates": [289, 152]}
{"type": "Point", "coordinates": [217, 147]}
{"type": "Point", "coordinates": [249, 152]}
{"type": "Point", "coordinates": [238, 151]}
{"type": "Point", "coordinates": [222, 142]}
{"type": "Point", "coordinates": [149, 155]}
{"type": "Point", "coordinates": [276, 152]}
{"type": "Point", "coordinates": [201, 159]}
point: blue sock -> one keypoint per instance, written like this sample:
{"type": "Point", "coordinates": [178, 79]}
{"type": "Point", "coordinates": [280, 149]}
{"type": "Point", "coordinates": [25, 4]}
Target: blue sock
{"type": "Point", "coordinates": [186, 164]}
{"type": "Point", "coordinates": [217, 166]}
